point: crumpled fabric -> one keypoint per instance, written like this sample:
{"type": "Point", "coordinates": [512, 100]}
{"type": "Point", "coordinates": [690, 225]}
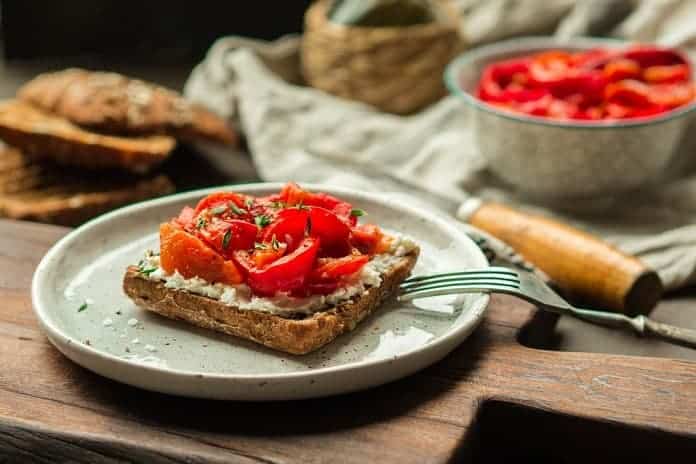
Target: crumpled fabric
{"type": "Point", "coordinates": [298, 133]}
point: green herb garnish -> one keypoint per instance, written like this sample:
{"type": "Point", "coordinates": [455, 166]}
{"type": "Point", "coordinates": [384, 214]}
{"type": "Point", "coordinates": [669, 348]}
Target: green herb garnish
{"type": "Point", "coordinates": [236, 209]}
{"type": "Point", "coordinates": [82, 307]}
{"type": "Point", "coordinates": [357, 212]}
{"type": "Point", "coordinates": [226, 239]}
{"type": "Point", "coordinates": [278, 204]}
{"type": "Point", "coordinates": [260, 246]}
{"type": "Point", "coordinates": [275, 243]}
{"type": "Point", "coordinates": [218, 210]}
{"type": "Point", "coordinates": [249, 202]}
{"type": "Point", "coordinates": [143, 269]}
{"type": "Point", "coordinates": [201, 222]}
{"type": "Point", "coordinates": [262, 221]}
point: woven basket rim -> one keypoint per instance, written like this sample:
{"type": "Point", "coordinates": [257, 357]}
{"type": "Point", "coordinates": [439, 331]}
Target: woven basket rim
{"type": "Point", "coordinates": [449, 20]}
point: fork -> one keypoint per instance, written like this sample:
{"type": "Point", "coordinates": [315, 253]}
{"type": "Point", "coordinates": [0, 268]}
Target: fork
{"type": "Point", "coordinates": [532, 289]}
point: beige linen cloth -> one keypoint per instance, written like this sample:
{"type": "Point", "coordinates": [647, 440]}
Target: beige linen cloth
{"type": "Point", "coordinates": [295, 132]}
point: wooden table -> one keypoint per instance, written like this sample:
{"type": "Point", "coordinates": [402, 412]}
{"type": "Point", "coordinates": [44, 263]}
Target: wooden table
{"type": "Point", "coordinates": [491, 397]}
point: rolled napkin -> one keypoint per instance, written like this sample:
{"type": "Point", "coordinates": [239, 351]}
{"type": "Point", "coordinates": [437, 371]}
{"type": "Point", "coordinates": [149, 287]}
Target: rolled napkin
{"type": "Point", "coordinates": [296, 132]}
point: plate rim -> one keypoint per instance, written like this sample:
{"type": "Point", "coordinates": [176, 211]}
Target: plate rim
{"type": "Point", "coordinates": [54, 334]}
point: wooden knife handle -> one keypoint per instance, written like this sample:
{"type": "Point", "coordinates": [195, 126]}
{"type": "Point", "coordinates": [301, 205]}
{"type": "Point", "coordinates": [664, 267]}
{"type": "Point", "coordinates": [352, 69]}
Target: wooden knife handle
{"type": "Point", "coordinates": [577, 262]}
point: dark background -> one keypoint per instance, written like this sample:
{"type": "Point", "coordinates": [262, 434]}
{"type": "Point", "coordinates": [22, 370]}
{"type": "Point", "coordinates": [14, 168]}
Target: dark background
{"type": "Point", "coordinates": [145, 31]}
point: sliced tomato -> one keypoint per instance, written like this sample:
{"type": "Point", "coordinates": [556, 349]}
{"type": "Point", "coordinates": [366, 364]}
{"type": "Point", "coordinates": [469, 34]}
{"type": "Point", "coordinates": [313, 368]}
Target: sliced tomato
{"type": "Point", "coordinates": [647, 111]}
{"type": "Point", "coordinates": [648, 56]}
{"type": "Point", "coordinates": [292, 224]}
{"type": "Point", "coordinates": [293, 195]}
{"type": "Point", "coordinates": [337, 268]}
{"type": "Point", "coordinates": [620, 69]}
{"type": "Point", "coordinates": [340, 208]}
{"type": "Point", "coordinates": [268, 253]}
{"type": "Point", "coordinates": [590, 84]}
{"type": "Point", "coordinates": [562, 109]}
{"type": "Point", "coordinates": [639, 95]}
{"type": "Point", "coordinates": [537, 107]}
{"type": "Point", "coordinates": [524, 95]}
{"type": "Point", "coordinates": [505, 72]}
{"type": "Point", "coordinates": [345, 211]}
{"type": "Point", "coordinates": [366, 238]}
{"type": "Point", "coordinates": [671, 95]}
{"type": "Point", "coordinates": [629, 93]}
{"type": "Point", "coordinates": [226, 236]}
{"type": "Point", "coordinates": [594, 58]}
{"type": "Point", "coordinates": [591, 113]}
{"type": "Point", "coordinates": [186, 217]}
{"type": "Point", "coordinates": [221, 199]}
{"type": "Point", "coordinates": [187, 254]}
{"type": "Point", "coordinates": [498, 76]}
{"type": "Point", "coordinates": [332, 231]}
{"type": "Point", "coordinates": [289, 226]}
{"type": "Point", "coordinates": [549, 66]}
{"type": "Point", "coordinates": [667, 74]}
{"type": "Point", "coordinates": [617, 111]}
{"type": "Point", "coordinates": [243, 260]}
{"type": "Point", "coordinates": [287, 273]}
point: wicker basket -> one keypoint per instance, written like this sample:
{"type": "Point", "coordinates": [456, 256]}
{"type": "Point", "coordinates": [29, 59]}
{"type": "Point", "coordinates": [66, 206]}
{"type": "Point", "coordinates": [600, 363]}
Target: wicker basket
{"type": "Point", "coordinates": [396, 69]}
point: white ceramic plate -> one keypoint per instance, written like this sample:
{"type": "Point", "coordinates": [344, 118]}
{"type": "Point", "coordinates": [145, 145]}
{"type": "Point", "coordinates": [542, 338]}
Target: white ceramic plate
{"type": "Point", "coordinates": [174, 357]}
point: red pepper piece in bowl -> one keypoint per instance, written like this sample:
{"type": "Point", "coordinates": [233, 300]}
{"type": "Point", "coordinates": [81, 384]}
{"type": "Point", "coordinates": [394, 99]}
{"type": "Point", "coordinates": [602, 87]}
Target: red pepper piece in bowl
{"type": "Point", "coordinates": [590, 85]}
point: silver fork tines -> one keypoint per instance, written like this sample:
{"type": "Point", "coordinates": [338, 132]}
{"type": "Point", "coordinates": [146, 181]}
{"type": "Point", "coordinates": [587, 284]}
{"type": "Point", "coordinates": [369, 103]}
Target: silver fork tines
{"type": "Point", "coordinates": [447, 283]}
{"type": "Point", "coordinates": [529, 287]}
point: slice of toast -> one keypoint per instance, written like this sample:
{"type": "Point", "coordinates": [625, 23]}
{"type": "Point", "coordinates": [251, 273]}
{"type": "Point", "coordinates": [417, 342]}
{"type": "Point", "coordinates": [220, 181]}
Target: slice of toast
{"type": "Point", "coordinates": [295, 336]}
{"type": "Point", "coordinates": [44, 136]}
{"type": "Point", "coordinates": [116, 104]}
{"type": "Point", "coordinates": [65, 196]}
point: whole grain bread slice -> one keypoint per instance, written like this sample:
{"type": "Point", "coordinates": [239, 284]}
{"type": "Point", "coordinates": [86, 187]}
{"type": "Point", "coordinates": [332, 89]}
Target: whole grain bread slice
{"type": "Point", "coordinates": [66, 196]}
{"type": "Point", "coordinates": [295, 336]}
{"type": "Point", "coordinates": [116, 104]}
{"type": "Point", "coordinates": [45, 136]}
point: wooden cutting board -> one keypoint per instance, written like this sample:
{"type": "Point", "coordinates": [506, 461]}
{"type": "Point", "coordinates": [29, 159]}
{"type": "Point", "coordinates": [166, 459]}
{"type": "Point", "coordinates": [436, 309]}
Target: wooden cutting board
{"type": "Point", "coordinates": [491, 400]}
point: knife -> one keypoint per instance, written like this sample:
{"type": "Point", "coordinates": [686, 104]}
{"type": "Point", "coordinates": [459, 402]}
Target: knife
{"type": "Point", "coordinates": [578, 263]}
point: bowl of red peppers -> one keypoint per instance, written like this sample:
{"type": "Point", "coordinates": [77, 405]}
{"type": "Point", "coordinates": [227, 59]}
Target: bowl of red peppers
{"type": "Point", "coordinates": [578, 117]}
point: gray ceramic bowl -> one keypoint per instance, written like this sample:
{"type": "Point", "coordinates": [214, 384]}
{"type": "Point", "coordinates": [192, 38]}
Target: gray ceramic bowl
{"type": "Point", "coordinates": [548, 158]}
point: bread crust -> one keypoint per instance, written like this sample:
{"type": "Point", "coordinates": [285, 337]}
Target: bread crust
{"type": "Point", "coordinates": [295, 336]}
{"type": "Point", "coordinates": [116, 104]}
{"type": "Point", "coordinates": [65, 196]}
{"type": "Point", "coordinates": [47, 137]}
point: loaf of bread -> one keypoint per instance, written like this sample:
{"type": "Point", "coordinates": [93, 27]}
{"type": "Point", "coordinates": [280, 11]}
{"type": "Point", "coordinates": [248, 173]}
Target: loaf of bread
{"type": "Point", "coordinates": [116, 104]}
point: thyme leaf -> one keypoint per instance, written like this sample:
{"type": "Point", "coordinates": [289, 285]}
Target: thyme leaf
{"type": "Point", "coordinates": [262, 221]}
{"type": "Point", "coordinates": [357, 212]}
{"type": "Point", "coordinates": [226, 239]}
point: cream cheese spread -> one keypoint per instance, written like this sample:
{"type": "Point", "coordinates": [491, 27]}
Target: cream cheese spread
{"type": "Point", "coordinates": [240, 296]}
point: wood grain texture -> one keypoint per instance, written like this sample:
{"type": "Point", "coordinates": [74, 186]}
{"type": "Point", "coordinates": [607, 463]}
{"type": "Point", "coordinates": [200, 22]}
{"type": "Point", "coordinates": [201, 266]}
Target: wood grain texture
{"type": "Point", "coordinates": [576, 261]}
{"type": "Point", "coordinates": [51, 410]}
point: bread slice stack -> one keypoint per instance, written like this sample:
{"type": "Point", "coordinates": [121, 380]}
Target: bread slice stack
{"type": "Point", "coordinates": [79, 143]}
